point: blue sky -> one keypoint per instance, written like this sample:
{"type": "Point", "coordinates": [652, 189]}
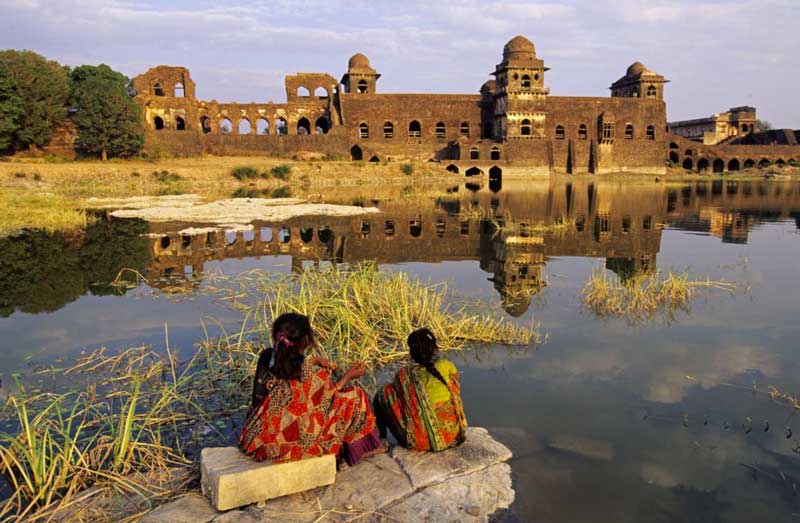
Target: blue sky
{"type": "Point", "coordinates": [717, 54]}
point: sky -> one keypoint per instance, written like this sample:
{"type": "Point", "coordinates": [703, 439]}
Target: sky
{"type": "Point", "coordinates": [716, 53]}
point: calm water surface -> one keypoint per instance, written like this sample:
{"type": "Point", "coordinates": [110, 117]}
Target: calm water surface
{"type": "Point", "coordinates": [608, 421]}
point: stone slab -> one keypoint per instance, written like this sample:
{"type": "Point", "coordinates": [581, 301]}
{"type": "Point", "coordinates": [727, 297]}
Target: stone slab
{"type": "Point", "coordinates": [471, 498]}
{"type": "Point", "coordinates": [479, 451]}
{"type": "Point", "coordinates": [230, 479]}
{"type": "Point", "coordinates": [189, 508]}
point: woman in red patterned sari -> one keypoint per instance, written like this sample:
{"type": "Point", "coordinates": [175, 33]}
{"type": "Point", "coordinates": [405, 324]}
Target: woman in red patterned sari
{"type": "Point", "coordinates": [298, 411]}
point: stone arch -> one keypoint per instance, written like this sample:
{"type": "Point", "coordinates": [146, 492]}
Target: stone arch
{"type": "Point", "coordinates": [525, 82]}
{"type": "Point", "coordinates": [688, 152]}
{"type": "Point", "coordinates": [582, 132]}
{"type": "Point", "coordinates": [362, 86]}
{"type": "Point", "coordinates": [464, 130]}
{"type": "Point", "coordinates": [674, 145]}
{"type": "Point", "coordinates": [325, 234]}
{"type": "Point", "coordinates": [629, 132]}
{"type": "Point", "coordinates": [780, 162]}
{"type": "Point", "coordinates": [244, 127]}
{"type": "Point", "coordinates": [414, 129]}
{"type": "Point", "coordinates": [321, 92]}
{"type": "Point", "coordinates": [158, 90]}
{"type": "Point", "coordinates": [749, 163]}
{"type": "Point", "coordinates": [441, 129]}
{"type": "Point", "coordinates": [303, 126]}
{"type": "Point", "coordinates": [303, 92]}
{"type": "Point", "coordinates": [525, 127]}
{"type": "Point", "coordinates": [495, 172]}
{"type": "Point", "coordinates": [651, 91]}
{"type": "Point", "coordinates": [651, 132]}
{"type": "Point", "coordinates": [764, 163]}
{"type": "Point", "coordinates": [306, 234]}
{"type": "Point", "coordinates": [180, 90]}
{"type": "Point", "coordinates": [262, 126]}
{"type": "Point", "coordinates": [452, 168]}
{"type": "Point", "coordinates": [363, 130]}
{"type": "Point", "coordinates": [205, 124]}
{"type": "Point", "coordinates": [281, 126]}
{"type": "Point", "coordinates": [356, 154]}
{"type": "Point", "coordinates": [674, 157]}
{"type": "Point", "coordinates": [702, 165]}
{"type": "Point", "coordinates": [415, 228]}
{"type": "Point", "coordinates": [474, 153]}
{"type": "Point", "coordinates": [559, 132]}
{"type": "Point", "coordinates": [688, 164]}
{"type": "Point", "coordinates": [745, 128]}
{"type": "Point", "coordinates": [158, 123]}
{"type": "Point", "coordinates": [322, 126]}
{"type": "Point", "coordinates": [473, 171]}
{"type": "Point", "coordinates": [225, 126]}
{"type": "Point", "coordinates": [180, 123]}
{"type": "Point", "coordinates": [375, 158]}
{"type": "Point", "coordinates": [494, 154]}
{"type": "Point", "coordinates": [733, 165]}
{"type": "Point", "coordinates": [718, 166]}
{"type": "Point", "coordinates": [388, 130]}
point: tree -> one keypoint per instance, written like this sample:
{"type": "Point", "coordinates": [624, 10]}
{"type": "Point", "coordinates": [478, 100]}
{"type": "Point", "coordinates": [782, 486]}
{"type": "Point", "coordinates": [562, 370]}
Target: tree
{"type": "Point", "coordinates": [11, 110]}
{"type": "Point", "coordinates": [43, 87]}
{"type": "Point", "coordinates": [763, 125]}
{"type": "Point", "coordinates": [104, 113]}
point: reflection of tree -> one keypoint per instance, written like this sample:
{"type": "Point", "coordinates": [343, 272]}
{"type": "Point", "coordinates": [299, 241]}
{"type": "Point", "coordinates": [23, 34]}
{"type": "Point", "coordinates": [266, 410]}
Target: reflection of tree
{"type": "Point", "coordinates": [42, 272]}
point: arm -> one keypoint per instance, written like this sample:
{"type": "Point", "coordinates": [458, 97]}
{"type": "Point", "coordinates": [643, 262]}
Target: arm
{"type": "Point", "coordinates": [355, 371]}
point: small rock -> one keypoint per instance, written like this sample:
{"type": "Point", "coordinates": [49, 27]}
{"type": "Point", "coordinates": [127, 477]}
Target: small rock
{"type": "Point", "coordinates": [473, 510]}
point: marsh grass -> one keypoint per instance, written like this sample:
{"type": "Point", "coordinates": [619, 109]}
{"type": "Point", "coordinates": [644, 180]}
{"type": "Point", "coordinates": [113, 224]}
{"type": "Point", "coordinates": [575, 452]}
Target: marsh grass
{"type": "Point", "coordinates": [647, 294]}
{"type": "Point", "coordinates": [24, 209]}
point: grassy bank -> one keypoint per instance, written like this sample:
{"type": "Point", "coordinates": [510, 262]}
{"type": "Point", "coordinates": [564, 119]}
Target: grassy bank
{"type": "Point", "coordinates": [21, 208]}
{"type": "Point", "coordinates": [110, 415]}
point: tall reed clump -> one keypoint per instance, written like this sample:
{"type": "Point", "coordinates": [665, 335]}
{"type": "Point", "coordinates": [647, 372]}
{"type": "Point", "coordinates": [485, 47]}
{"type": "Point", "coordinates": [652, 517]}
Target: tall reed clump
{"type": "Point", "coordinates": [644, 295]}
{"type": "Point", "coordinates": [365, 313]}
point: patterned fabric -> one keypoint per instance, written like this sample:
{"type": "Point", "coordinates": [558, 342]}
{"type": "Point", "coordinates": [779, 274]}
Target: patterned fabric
{"type": "Point", "coordinates": [414, 421]}
{"type": "Point", "coordinates": [305, 418]}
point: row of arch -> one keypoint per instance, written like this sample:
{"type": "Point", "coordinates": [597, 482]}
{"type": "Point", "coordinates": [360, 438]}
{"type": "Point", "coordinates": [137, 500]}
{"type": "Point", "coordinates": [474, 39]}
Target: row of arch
{"type": "Point", "coordinates": [608, 131]}
{"type": "Point", "coordinates": [179, 91]}
{"type": "Point", "coordinates": [494, 153]}
{"type": "Point", "coordinates": [319, 92]}
{"type": "Point", "coordinates": [244, 126]}
{"type": "Point", "coordinates": [719, 165]}
{"type": "Point", "coordinates": [414, 130]}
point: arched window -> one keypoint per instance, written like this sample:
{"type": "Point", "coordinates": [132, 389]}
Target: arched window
{"type": "Point", "coordinates": [651, 91]}
{"type": "Point", "coordinates": [262, 126]}
{"type": "Point", "coordinates": [441, 129]}
{"type": "Point", "coordinates": [363, 130]}
{"type": "Point", "coordinates": [559, 132]}
{"type": "Point", "coordinates": [651, 132]}
{"type": "Point", "coordinates": [180, 92]}
{"type": "Point", "coordinates": [464, 131]}
{"type": "Point", "coordinates": [733, 165]}
{"type": "Point", "coordinates": [244, 126]}
{"type": "Point", "coordinates": [362, 86]}
{"type": "Point", "coordinates": [158, 90]}
{"type": "Point", "coordinates": [452, 168]}
{"type": "Point", "coordinates": [495, 153]}
{"type": "Point", "coordinates": [526, 81]}
{"type": "Point", "coordinates": [688, 164]}
{"type": "Point", "coordinates": [718, 166]}
{"type": "Point", "coordinates": [180, 124]}
{"type": "Point", "coordinates": [321, 92]}
{"type": "Point", "coordinates": [414, 129]}
{"type": "Point", "coordinates": [674, 157]}
{"type": "Point", "coordinates": [582, 133]}
{"type": "Point", "coordinates": [629, 132]}
{"type": "Point", "coordinates": [608, 131]}
{"type": "Point", "coordinates": [281, 127]}
{"type": "Point", "coordinates": [205, 124]}
{"type": "Point", "coordinates": [749, 164]}
{"type": "Point", "coordinates": [702, 164]}
{"type": "Point", "coordinates": [158, 123]}
{"type": "Point", "coordinates": [355, 153]}
{"type": "Point", "coordinates": [474, 154]}
{"type": "Point", "coordinates": [635, 93]}
{"type": "Point", "coordinates": [303, 126]}
{"type": "Point", "coordinates": [388, 130]}
{"type": "Point", "coordinates": [321, 126]}
{"type": "Point", "coordinates": [525, 127]}
{"type": "Point", "coordinates": [745, 128]}
{"type": "Point", "coordinates": [303, 91]}
{"type": "Point", "coordinates": [225, 126]}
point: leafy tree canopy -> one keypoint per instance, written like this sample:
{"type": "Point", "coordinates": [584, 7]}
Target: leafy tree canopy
{"type": "Point", "coordinates": [11, 110]}
{"type": "Point", "coordinates": [43, 88]}
{"type": "Point", "coordinates": [105, 115]}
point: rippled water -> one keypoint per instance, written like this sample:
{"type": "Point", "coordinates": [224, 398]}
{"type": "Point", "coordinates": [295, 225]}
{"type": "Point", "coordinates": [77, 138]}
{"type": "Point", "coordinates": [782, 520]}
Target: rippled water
{"type": "Point", "coordinates": [609, 420]}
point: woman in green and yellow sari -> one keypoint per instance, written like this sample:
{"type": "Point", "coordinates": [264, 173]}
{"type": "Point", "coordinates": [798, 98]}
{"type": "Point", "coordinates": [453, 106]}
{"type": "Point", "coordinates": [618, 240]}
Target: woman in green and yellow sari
{"type": "Point", "coordinates": [422, 406]}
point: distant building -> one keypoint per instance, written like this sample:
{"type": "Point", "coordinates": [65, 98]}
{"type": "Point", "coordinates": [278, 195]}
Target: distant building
{"type": "Point", "coordinates": [736, 122]}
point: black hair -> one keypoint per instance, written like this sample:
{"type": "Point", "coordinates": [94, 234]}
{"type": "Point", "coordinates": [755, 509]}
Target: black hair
{"type": "Point", "coordinates": [422, 345]}
{"type": "Point", "coordinates": [291, 334]}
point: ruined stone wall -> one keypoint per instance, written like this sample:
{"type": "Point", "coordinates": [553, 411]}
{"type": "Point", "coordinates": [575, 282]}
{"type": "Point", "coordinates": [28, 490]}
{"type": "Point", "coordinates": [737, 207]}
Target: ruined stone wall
{"type": "Point", "coordinates": [694, 156]}
{"type": "Point", "coordinates": [332, 144]}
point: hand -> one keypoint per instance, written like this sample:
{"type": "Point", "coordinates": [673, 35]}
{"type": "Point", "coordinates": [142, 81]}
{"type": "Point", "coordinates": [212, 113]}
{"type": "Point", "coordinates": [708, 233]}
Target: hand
{"type": "Point", "coordinates": [356, 370]}
{"type": "Point", "coordinates": [323, 362]}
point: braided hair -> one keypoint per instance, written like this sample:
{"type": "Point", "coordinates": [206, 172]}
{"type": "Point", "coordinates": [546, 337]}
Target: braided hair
{"type": "Point", "coordinates": [291, 334]}
{"type": "Point", "coordinates": [422, 345]}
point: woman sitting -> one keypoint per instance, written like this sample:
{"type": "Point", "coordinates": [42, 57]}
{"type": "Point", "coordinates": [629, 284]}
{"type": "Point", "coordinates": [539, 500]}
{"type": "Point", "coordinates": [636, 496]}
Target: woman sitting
{"type": "Point", "coordinates": [298, 411]}
{"type": "Point", "coordinates": [422, 406]}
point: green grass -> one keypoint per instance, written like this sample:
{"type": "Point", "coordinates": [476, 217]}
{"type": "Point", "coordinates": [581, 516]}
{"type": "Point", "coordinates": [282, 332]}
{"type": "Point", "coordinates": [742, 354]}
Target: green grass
{"type": "Point", "coordinates": [281, 172]}
{"type": "Point", "coordinates": [26, 209]}
{"type": "Point", "coordinates": [245, 173]}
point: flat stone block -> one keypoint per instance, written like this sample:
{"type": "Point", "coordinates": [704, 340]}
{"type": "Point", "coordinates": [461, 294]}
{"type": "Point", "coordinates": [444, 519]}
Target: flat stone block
{"type": "Point", "coordinates": [478, 452]}
{"type": "Point", "coordinates": [231, 479]}
{"type": "Point", "coordinates": [190, 508]}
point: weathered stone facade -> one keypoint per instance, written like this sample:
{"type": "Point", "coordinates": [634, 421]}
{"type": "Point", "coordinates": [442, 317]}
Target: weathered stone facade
{"type": "Point", "coordinates": [718, 128]}
{"type": "Point", "coordinates": [513, 125]}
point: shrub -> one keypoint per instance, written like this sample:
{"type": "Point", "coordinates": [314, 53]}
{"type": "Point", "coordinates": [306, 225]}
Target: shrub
{"type": "Point", "coordinates": [166, 176]}
{"type": "Point", "coordinates": [407, 169]}
{"type": "Point", "coordinates": [244, 172]}
{"type": "Point", "coordinates": [37, 177]}
{"type": "Point", "coordinates": [20, 175]}
{"type": "Point", "coordinates": [281, 172]}
{"type": "Point", "coordinates": [282, 192]}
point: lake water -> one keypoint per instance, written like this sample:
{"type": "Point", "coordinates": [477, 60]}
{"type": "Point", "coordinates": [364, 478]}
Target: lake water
{"type": "Point", "coordinates": [610, 420]}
